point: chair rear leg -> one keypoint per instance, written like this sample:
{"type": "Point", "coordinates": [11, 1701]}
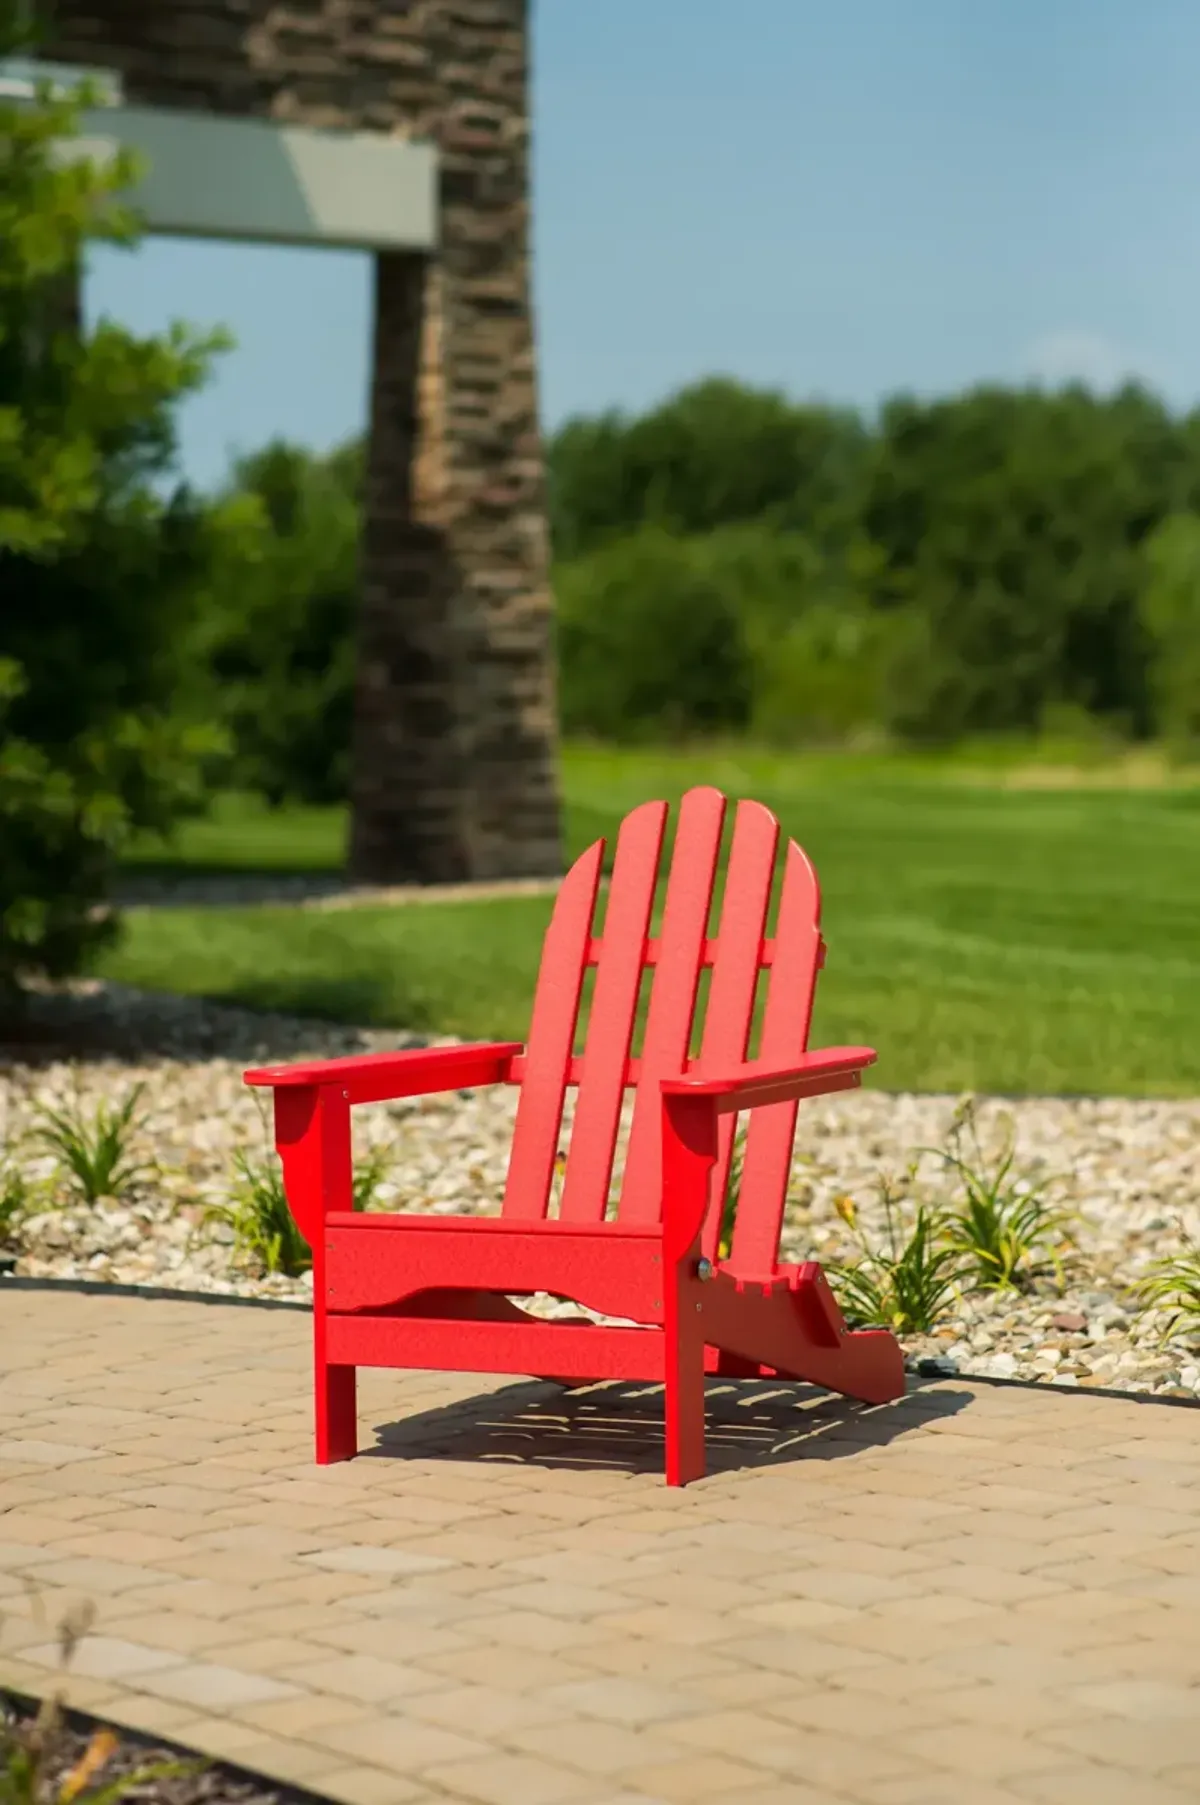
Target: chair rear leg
{"type": "Point", "coordinates": [336, 1413]}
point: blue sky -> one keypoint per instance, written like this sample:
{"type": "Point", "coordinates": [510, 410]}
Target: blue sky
{"type": "Point", "coordinates": [840, 198]}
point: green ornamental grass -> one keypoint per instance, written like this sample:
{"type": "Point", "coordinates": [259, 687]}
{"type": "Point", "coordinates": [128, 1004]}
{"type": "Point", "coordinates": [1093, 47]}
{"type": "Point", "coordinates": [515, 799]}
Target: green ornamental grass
{"type": "Point", "coordinates": [908, 1283]}
{"type": "Point", "coordinates": [264, 1231]}
{"type": "Point", "coordinates": [1001, 1224]}
{"type": "Point", "coordinates": [93, 1149]}
{"type": "Point", "coordinates": [1172, 1285]}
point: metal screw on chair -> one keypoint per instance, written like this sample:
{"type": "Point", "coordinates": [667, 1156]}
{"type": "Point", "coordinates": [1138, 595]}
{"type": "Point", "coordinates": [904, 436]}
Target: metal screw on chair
{"type": "Point", "coordinates": [704, 1271]}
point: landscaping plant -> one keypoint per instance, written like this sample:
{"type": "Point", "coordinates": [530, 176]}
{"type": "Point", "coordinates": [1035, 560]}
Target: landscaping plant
{"type": "Point", "coordinates": [14, 1200]}
{"type": "Point", "coordinates": [94, 1150]}
{"type": "Point", "coordinates": [257, 1213]}
{"type": "Point", "coordinates": [15, 1193]}
{"type": "Point", "coordinates": [103, 729]}
{"type": "Point", "coordinates": [1002, 1226]}
{"type": "Point", "coordinates": [264, 1230]}
{"type": "Point", "coordinates": [908, 1284]}
{"type": "Point", "coordinates": [1174, 1285]}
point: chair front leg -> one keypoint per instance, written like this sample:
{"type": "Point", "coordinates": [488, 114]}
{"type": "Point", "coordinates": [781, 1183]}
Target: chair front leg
{"type": "Point", "coordinates": [312, 1138]}
{"type": "Point", "coordinates": [336, 1411]}
{"type": "Point", "coordinates": [683, 1381]}
{"type": "Point", "coordinates": [689, 1146]}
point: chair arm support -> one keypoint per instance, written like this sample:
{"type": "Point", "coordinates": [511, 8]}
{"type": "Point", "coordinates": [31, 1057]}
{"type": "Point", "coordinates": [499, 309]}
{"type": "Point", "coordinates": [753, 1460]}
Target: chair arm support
{"type": "Point", "coordinates": [312, 1113]}
{"type": "Point", "coordinates": [386, 1077]}
{"type": "Point", "coordinates": [690, 1140]}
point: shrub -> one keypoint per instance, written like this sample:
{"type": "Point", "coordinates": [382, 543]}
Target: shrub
{"type": "Point", "coordinates": [716, 452]}
{"type": "Point", "coordinates": [820, 680]}
{"type": "Point", "coordinates": [101, 729]}
{"type": "Point", "coordinates": [1010, 523]}
{"type": "Point", "coordinates": [280, 624]}
{"type": "Point", "coordinates": [650, 644]}
{"type": "Point", "coordinates": [1169, 608]}
{"type": "Point", "coordinates": [816, 646]}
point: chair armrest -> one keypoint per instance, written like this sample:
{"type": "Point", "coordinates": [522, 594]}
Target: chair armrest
{"type": "Point", "coordinates": [386, 1077]}
{"type": "Point", "coordinates": [757, 1083]}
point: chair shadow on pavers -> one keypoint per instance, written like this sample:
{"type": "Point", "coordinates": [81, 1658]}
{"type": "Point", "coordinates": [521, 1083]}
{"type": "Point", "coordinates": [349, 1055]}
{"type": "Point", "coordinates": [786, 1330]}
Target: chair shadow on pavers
{"type": "Point", "coordinates": [618, 1427]}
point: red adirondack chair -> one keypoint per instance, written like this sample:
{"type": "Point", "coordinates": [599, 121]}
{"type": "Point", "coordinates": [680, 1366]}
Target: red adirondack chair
{"type": "Point", "coordinates": [418, 1291]}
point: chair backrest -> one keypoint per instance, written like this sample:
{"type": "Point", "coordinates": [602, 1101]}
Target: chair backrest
{"type": "Point", "coordinates": [736, 951]}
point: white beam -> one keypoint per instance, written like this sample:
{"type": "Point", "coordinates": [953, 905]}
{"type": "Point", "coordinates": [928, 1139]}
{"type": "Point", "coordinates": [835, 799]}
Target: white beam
{"type": "Point", "coordinates": [209, 176]}
{"type": "Point", "coordinates": [214, 177]}
{"type": "Point", "coordinates": [21, 77]}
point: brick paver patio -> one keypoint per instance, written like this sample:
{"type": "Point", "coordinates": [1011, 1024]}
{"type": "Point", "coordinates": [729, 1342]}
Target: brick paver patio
{"type": "Point", "coordinates": [982, 1595]}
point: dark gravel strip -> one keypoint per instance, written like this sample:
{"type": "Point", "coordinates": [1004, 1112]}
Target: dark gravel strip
{"type": "Point", "coordinates": [216, 1783]}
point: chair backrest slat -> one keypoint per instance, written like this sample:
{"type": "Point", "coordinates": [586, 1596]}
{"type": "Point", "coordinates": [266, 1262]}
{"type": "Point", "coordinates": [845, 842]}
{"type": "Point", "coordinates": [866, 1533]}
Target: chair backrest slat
{"type": "Point", "coordinates": [547, 1061]}
{"type": "Point", "coordinates": [673, 996]}
{"type": "Point", "coordinates": [786, 1022]}
{"type": "Point", "coordinates": [614, 1007]}
{"type": "Point", "coordinates": [622, 955]}
{"type": "Point", "coordinates": [736, 963]}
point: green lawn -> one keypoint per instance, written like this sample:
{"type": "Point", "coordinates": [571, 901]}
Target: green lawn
{"type": "Point", "coordinates": [980, 936]}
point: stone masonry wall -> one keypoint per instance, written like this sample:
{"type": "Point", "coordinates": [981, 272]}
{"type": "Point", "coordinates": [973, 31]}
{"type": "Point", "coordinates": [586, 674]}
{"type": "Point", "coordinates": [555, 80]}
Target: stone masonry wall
{"type": "Point", "coordinates": [454, 754]}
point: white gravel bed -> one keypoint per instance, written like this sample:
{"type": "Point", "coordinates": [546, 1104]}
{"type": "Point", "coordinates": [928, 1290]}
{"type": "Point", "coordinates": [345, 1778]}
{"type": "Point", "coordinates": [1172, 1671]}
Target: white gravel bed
{"type": "Point", "coordinates": [1129, 1168]}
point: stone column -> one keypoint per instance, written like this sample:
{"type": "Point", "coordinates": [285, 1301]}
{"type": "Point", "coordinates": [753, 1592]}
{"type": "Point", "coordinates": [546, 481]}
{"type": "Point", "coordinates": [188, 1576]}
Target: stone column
{"type": "Point", "coordinates": [455, 682]}
{"type": "Point", "coordinates": [454, 749]}
{"type": "Point", "coordinates": [413, 779]}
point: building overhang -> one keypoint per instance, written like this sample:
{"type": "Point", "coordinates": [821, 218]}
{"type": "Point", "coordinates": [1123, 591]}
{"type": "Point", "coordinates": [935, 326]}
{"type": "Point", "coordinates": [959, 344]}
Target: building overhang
{"type": "Point", "coordinates": [209, 176]}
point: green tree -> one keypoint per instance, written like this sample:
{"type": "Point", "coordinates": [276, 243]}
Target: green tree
{"type": "Point", "coordinates": [281, 618]}
{"type": "Point", "coordinates": [1170, 614]}
{"type": "Point", "coordinates": [716, 453]}
{"type": "Point", "coordinates": [650, 644]}
{"type": "Point", "coordinates": [100, 730]}
{"type": "Point", "coordinates": [817, 648]}
{"type": "Point", "coordinates": [1011, 525]}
